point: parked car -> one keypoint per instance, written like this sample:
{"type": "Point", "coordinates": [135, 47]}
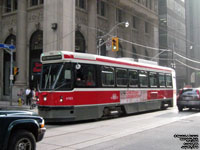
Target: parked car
{"type": "Point", "coordinates": [188, 98]}
{"type": "Point", "coordinates": [20, 130]}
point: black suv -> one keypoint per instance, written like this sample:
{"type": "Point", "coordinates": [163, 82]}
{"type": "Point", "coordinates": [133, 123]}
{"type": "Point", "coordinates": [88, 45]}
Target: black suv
{"type": "Point", "coordinates": [188, 98]}
{"type": "Point", "coordinates": [20, 130]}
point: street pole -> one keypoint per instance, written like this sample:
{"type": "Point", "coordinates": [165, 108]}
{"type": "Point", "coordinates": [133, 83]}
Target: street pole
{"type": "Point", "coordinates": [99, 47]}
{"type": "Point", "coordinates": [11, 76]}
{"type": "Point", "coordinates": [107, 34]}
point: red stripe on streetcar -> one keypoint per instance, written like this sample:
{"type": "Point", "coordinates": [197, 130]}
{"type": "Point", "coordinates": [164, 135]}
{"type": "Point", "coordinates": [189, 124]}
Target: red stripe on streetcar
{"type": "Point", "coordinates": [68, 56]}
{"type": "Point", "coordinates": [115, 62]}
{"type": "Point", "coordinates": [128, 64]}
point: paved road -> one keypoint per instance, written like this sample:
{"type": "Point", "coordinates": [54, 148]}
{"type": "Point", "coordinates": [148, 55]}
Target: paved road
{"type": "Point", "coordinates": [143, 131]}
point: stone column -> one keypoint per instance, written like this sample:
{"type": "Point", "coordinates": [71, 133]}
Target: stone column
{"type": "Point", "coordinates": [62, 14]}
{"type": "Point", "coordinates": [21, 48]}
{"type": "Point", "coordinates": [92, 26]}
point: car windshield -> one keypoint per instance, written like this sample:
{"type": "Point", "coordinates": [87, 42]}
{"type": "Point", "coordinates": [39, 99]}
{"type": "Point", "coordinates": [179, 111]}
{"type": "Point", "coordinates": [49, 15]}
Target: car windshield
{"type": "Point", "coordinates": [56, 77]}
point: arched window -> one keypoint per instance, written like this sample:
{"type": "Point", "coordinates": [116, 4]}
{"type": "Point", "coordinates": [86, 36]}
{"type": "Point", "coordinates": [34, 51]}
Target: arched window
{"type": "Point", "coordinates": [36, 48]}
{"type": "Point", "coordinates": [120, 52]}
{"type": "Point", "coordinates": [79, 42]}
{"type": "Point", "coordinates": [11, 39]}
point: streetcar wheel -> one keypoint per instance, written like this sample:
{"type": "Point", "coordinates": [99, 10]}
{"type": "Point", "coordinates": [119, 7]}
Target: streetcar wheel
{"type": "Point", "coordinates": [22, 140]}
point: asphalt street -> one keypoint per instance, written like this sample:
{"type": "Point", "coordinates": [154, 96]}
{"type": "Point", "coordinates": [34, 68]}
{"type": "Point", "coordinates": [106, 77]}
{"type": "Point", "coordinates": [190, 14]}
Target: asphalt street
{"type": "Point", "coordinates": [153, 130]}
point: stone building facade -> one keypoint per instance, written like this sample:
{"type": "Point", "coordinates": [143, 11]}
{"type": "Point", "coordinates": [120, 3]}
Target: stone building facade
{"type": "Point", "coordinates": [193, 40]}
{"type": "Point", "coordinates": [172, 36]}
{"type": "Point", "coordinates": [36, 26]}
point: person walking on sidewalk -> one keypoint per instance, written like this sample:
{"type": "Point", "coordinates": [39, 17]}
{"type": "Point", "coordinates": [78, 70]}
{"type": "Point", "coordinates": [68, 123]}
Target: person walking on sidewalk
{"type": "Point", "coordinates": [33, 99]}
{"type": "Point", "coordinates": [28, 96]}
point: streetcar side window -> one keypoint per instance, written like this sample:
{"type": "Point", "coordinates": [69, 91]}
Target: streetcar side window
{"type": "Point", "coordinates": [161, 80]}
{"type": "Point", "coordinates": [108, 76]}
{"type": "Point", "coordinates": [85, 75]}
{"type": "Point", "coordinates": [133, 78]}
{"type": "Point", "coordinates": [168, 80]}
{"type": "Point", "coordinates": [143, 78]}
{"type": "Point", "coordinates": [121, 77]}
{"type": "Point", "coordinates": [153, 79]}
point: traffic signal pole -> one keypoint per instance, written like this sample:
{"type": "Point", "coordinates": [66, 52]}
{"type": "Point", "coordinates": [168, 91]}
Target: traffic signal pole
{"type": "Point", "coordinates": [11, 76]}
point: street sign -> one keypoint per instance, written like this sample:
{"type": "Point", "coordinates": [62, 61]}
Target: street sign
{"type": "Point", "coordinates": [11, 47]}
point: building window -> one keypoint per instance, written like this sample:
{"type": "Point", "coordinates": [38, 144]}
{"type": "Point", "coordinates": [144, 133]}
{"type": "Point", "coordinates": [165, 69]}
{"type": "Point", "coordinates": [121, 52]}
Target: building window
{"type": "Point", "coordinates": [134, 53]}
{"type": "Point", "coordinates": [15, 5]}
{"type": "Point", "coordinates": [150, 4]}
{"type": "Point", "coordinates": [146, 3]}
{"type": "Point", "coordinates": [101, 8]}
{"type": "Point", "coordinates": [146, 27]}
{"type": "Point", "coordinates": [134, 22]}
{"type": "Point", "coordinates": [10, 5]}
{"type": "Point", "coordinates": [81, 4]}
{"type": "Point", "coordinates": [146, 54]}
{"type": "Point", "coordinates": [119, 15]}
{"type": "Point", "coordinates": [36, 2]}
{"type": "Point", "coordinates": [79, 42]}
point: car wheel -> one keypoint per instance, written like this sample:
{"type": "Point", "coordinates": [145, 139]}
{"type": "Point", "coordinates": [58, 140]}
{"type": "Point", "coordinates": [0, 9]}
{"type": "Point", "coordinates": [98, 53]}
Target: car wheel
{"type": "Point", "coordinates": [22, 140]}
{"type": "Point", "coordinates": [180, 108]}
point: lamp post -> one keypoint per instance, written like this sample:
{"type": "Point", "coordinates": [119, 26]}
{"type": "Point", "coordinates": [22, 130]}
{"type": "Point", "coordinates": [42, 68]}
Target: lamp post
{"type": "Point", "coordinates": [126, 24]}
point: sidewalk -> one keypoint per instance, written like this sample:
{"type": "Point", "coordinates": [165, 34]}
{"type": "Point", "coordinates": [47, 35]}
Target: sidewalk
{"type": "Point", "coordinates": [5, 105]}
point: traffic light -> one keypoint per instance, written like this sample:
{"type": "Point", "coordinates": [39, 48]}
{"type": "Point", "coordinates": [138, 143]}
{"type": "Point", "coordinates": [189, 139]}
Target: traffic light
{"type": "Point", "coordinates": [15, 71]}
{"type": "Point", "coordinates": [115, 43]}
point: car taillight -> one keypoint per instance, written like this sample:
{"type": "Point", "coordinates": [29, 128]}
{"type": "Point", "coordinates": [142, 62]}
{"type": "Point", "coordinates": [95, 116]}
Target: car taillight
{"type": "Point", "coordinates": [179, 94]}
{"type": "Point", "coordinates": [197, 91]}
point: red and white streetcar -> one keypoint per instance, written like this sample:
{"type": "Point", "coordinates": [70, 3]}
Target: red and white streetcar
{"type": "Point", "coordinates": [79, 86]}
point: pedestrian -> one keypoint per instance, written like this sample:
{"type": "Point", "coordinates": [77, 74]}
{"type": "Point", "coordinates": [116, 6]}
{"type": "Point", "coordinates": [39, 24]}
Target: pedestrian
{"type": "Point", "coordinates": [33, 99]}
{"type": "Point", "coordinates": [28, 96]}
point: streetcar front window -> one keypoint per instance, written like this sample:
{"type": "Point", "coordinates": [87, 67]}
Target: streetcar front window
{"type": "Point", "coordinates": [56, 77]}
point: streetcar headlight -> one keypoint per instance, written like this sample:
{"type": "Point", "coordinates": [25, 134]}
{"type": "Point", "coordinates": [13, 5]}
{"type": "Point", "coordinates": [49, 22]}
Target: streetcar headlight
{"type": "Point", "coordinates": [45, 98]}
